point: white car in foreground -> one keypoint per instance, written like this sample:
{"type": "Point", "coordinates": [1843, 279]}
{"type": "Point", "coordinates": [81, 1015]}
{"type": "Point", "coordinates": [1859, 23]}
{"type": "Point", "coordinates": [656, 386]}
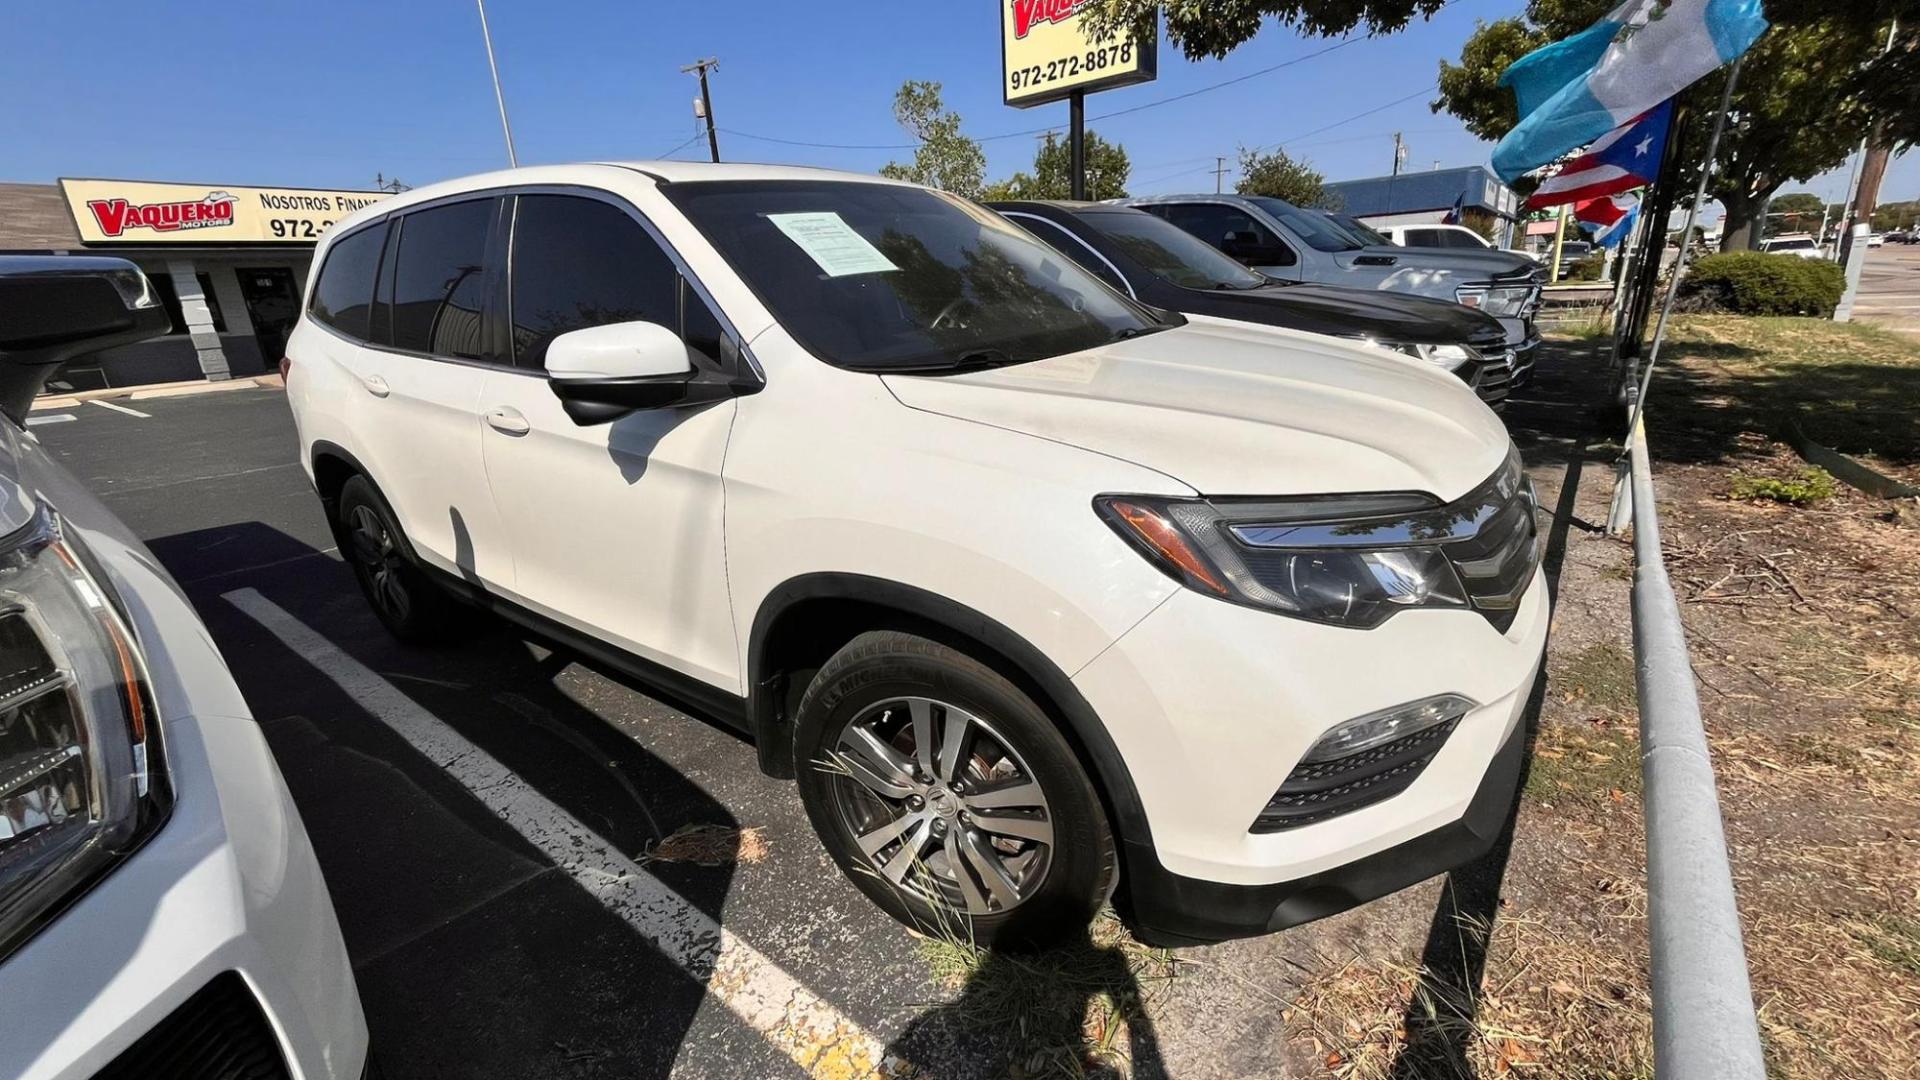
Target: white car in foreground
{"type": "Point", "coordinates": [1042, 594]}
{"type": "Point", "coordinates": [161, 913]}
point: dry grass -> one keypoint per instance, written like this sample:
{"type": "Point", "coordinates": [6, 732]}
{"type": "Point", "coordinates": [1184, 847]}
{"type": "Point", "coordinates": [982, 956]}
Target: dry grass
{"type": "Point", "coordinates": [709, 845]}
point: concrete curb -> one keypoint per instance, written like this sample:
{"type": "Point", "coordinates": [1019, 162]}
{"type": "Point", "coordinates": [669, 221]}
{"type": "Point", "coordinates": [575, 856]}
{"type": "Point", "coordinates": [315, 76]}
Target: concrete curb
{"type": "Point", "coordinates": [157, 390]}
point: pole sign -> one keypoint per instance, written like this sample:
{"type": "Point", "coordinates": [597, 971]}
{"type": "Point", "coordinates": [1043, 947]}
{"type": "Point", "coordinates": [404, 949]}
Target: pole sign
{"type": "Point", "coordinates": [140, 212]}
{"type": "Point", "coordinates": [1046, 53]}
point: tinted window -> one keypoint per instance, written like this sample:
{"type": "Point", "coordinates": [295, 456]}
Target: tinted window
{"type": "Point", "coordinates": [1421, 237]}
{"type": "Point", "coordinates": [1454, 238]}
{"type": "Point", "coordinates": [1170, 252]}
{"type": "Point", "coordinates": [344, 293]}
{"type": "Point", "coordinates": [891, 277]}
{"type": "Point", "coordinates": [1310, 226]}
{"type": "Point", "coordinates": [1212, 222]}
{"type": "Point", "coordinates": [578, 263]}
{"type": "Point", "coordinates": [439, 284]}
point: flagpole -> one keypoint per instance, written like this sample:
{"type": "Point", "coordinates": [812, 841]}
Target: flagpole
{"type": "Point", "coordinates": [1680, 264]}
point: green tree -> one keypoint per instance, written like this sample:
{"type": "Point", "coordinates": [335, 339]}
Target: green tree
{"type": "Point", "coordinates": [1797, 211]}
{"type": "Point", "coordinates": [1796, 112]}
{"type": "Point", "coordinates": [945, 158]}
{"type": "Point", "coordinates": [1282, 177]}
{"type": "Point", "coordinates": [1203, 28]}
{"type": "Point", "coordinates": [1107, 169]}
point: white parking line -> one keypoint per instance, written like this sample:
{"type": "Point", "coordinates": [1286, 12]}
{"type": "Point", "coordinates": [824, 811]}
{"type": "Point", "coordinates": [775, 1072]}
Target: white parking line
{"type": "Point", "coordinates": [56, 418]}
{"type": "Point", "coordinates": [794, 1020]}
{"type": "Point", "coordinates": [121, 409]}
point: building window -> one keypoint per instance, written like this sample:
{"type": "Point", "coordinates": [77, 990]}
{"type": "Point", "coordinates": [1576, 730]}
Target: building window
{"type": "Point", "coordinates": [169, 299]}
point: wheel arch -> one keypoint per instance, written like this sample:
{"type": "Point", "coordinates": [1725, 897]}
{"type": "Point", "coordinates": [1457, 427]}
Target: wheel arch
{"type": "Point", "coordinates": [806, 619]}
{"type": "Point", "coordinates": [333, 465]}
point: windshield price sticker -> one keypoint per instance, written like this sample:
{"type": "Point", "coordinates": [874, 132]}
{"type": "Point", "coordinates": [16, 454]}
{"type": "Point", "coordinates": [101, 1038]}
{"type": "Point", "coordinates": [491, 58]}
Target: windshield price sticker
{"type": "Point", "coordinates": [832, 244]}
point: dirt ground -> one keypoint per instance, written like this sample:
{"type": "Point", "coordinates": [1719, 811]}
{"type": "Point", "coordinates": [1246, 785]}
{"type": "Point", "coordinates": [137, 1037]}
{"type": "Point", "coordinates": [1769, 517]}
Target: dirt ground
{"type": "Point", "coordinates": [1532, 961]}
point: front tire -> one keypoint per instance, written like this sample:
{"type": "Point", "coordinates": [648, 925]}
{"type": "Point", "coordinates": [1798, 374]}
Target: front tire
{"type": "Point", "coordinates": [948, 796]}
{"type": "Point", "coordinates": [408, 603]}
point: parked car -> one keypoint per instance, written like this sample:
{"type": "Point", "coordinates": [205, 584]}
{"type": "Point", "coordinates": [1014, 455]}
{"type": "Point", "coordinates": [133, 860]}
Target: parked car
{"type": "Point", "coordinates": [1571, 252]}
{"type": "Point", "coordinates": [1283, 241]}
{"type": "Point", "coordinates": [1158, 264]}
{"type": "Point", "coordinates": [1802, 245]}
{"type": "Point", "coordinates": [1436, 236]}
{"type": "Point", "coordinates": [980, 550]}
{"type": "Point", "coordinates": [1903, 236]}
{"type": "Point", "coordinates": [161, 912]}
{"type": "Point", "coordinates": [1875, 240]}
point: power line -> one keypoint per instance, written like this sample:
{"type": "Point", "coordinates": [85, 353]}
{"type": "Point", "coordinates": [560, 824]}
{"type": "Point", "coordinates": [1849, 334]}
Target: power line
{"type": "Point", "coordinates": [1054, 127]}
{"type": "Point", "coordinates": [677, 149]}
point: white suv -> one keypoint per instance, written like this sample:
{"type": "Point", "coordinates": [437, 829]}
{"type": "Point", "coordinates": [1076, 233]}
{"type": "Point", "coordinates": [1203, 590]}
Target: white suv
{"type": "Point", "coordinates": [1040, 593]}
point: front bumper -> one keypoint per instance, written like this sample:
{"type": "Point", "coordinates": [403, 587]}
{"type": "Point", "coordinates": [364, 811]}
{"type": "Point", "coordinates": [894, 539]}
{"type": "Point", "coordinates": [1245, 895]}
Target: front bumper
{"type": "Point", "coordinates": [228, 887]}
{"type": "Point", "coordinates": [1212, 705]}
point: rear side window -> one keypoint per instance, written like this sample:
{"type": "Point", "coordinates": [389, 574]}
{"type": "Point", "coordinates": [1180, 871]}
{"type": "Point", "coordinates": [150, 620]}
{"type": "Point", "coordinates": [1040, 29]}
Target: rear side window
{"type": "Point", "coordinates": [343, 296]}
{"type": "Point", "coordinates": [1212, 222]}
{"type": "Point", "coordinates": [439, 284]}
{"type": "Point", "coordinates": [580, 262]}
{"type": "Point", "coordinates": [1422, 238]}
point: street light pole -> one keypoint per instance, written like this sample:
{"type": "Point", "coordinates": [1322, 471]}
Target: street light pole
{"type": "Point", "coordinates": [498, 98]}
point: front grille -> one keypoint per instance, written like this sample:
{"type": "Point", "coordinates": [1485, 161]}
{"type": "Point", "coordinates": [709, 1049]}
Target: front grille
{"type": "Point", "coordinates": [220, 1033]}
{"type": "Point", "coordinates": [1492, 378]}
{"type": "Point", "coordinates": [1496, 563]}
{"type": "Point", "coordinates": [1325, 789]}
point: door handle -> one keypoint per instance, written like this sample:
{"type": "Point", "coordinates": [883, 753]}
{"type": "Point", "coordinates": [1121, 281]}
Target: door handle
{"type": "Point", "coordinates": [508, 421]}
{"type": "Point", "coordinates": [376, 386]}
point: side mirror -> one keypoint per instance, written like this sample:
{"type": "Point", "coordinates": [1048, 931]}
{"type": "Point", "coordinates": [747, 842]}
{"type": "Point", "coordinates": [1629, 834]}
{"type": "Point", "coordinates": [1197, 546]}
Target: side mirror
{"type": "Point", "coordinates": [602, 373]}
{"type": "Point", "coordinates": [55, 308]}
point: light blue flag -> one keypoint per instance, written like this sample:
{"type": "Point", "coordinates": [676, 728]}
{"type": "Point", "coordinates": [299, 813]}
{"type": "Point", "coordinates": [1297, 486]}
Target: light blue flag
{"type": "Point", "coordinates": [1577, 89]}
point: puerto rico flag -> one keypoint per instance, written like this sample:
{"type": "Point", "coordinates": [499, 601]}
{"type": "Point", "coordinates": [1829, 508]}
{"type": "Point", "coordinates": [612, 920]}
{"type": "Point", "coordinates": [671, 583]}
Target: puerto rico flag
{"type": "Point", "coordinates": [1623, 159]}
{"type": "Point", "coordinates": [1609, 218]}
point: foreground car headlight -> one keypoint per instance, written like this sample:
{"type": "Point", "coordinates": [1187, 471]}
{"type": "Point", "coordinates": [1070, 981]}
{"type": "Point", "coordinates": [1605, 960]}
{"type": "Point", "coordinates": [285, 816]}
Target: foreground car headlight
{"type": "Point", "coordinates": [1505, 302]}
{"type": "Point", "coordinates": [1345, 561]}
{"type": "Point", "coordinates": [80, 779]}
{"type": "Point", "coordinates": [1446, 357]}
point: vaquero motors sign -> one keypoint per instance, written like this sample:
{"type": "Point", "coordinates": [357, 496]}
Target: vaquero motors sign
{"type": "Point", "coordinates": [144, 212]}
{"type": "Point", "coordinates": [115, 216]}
{"type": "Point", "coordinates": [1046, 53]}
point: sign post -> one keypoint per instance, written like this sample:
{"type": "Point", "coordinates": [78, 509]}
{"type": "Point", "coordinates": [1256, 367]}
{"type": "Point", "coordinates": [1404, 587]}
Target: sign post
{"type": "Point", "coordinates": [1046, 54]}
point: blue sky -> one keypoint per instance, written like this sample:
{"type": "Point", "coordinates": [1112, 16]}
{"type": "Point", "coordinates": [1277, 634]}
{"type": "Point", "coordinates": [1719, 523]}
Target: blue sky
{"type": "Point", "coordinates": [329, 94]}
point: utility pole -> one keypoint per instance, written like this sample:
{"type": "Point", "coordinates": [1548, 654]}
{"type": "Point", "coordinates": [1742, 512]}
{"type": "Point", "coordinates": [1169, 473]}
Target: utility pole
{"type": "Point", "coordinates": [1399, 153]}
{"type": "Point", "coordinates": [382, 182]}
{"type": "Point", "coordinates": [498, 98]}
{"type": "Point", "coordinates": [706, 101]}
{"type": "Point", "coordinates": [1219, 173]}
{"type": "Point", "coordinates": [1870, 165]}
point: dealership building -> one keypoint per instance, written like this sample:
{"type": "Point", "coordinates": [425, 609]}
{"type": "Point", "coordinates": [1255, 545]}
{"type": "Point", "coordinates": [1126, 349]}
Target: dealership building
{"type": "Point", "coordinates": [1423, 198]}
{"type": "Point", "coordinates": [228, 262]}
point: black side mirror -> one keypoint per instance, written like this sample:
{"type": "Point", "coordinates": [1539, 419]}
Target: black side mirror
{"type": "Point", "coordinates": [604, 372]}
{"type": "Point", "coordinates": [55, 308]}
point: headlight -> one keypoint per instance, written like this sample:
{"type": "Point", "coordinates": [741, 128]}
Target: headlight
{"type": "Point", "coordinates": [1448, 357]}
{"type": "Point", "coordinates": [1348, 560]}
{"type": "Point", "coordinates": [1505, 302]}
{"type": "Point", "coordinates": [80, 780]}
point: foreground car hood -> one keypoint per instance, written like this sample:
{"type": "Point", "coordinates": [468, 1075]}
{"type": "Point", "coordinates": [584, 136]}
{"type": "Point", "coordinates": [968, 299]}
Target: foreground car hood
{"type": "Point", "coordinates": [1487, 263]}
{"type": "Point", "coordinates": [1344, 312]}
{"type": "Point", "coordinates": [1233, 409]}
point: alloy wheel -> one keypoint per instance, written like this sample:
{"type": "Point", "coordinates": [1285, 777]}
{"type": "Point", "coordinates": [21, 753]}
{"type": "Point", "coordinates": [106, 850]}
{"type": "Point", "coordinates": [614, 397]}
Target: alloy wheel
{"type": "Point", "coordinates": [379, 558]}
{"type": "Point", "coordinates": [942, 805]}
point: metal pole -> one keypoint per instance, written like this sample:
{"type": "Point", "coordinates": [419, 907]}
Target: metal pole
{"type": "Point", "coordinates": [706, 102]}
{"type": "Point", "coordinates": [1077, 144]}
{"type": "Point", "coordinates": [1219, 173]}
{"type": "Point", "coordinates": [1686, 234]}
{"type": "Point", "coordinates": [1559, 241]}
{"type": "Point", "coordinates": [1703, 1016]}
{"type": "Point", "coordinates": [499, 99]}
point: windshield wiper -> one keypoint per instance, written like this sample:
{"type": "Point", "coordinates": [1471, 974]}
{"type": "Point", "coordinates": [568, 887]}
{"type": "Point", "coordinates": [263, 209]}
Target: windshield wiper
{"type": "Point", "coordinates": [972, 360]}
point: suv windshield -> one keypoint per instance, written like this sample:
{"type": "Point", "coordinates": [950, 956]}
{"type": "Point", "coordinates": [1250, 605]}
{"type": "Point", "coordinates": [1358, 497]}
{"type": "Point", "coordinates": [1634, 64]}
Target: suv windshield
{"type": "Point", "coordinates": [882, 277]}
{"type": "Point", "coordinates": [1800, 244]}
{"type": "Point", "coordinates": [1171, 252]}
{"type": "Point", "coordinates": [1315, 228]}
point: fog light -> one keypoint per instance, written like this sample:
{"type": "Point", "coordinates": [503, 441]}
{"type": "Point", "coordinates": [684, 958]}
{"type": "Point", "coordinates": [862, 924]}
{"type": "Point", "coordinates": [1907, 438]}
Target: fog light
{"type": "Point", "coordinates": [1385, 726]}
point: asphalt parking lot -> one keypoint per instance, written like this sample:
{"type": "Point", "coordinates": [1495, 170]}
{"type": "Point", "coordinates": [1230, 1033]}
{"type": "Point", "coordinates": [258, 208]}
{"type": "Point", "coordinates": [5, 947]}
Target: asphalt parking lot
{"type": "Point", "coordinates": [1890, 288]}
{"type": "Point", "coordinates": [484, 815]}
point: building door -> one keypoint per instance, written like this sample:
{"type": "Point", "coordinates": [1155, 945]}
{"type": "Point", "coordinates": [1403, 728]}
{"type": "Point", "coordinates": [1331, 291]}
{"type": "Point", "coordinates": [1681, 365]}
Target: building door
{"type": "Point", "coordinates": [274, 306]}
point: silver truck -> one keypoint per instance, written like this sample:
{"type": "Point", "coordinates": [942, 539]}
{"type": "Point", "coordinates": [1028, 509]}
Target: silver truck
{"type": "Point", "coordinates": [1282, 241]}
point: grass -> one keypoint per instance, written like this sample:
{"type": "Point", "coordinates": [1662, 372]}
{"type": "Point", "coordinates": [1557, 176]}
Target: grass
{"type": "Point", "coordinates": [1891, 939]}
{"type": "Point", "coordinates": [1809, 486]}
{"type": "Point", "coordinates": [1603, 675]}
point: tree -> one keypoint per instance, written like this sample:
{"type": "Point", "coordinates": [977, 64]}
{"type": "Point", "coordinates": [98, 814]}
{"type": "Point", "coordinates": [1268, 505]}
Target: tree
{"type": "Point", "coordinates": [1281, 177]}
{"type": "Point", "coordinates": [1798, 211]}
{"type": "Point", "coordinates": [1213, 28]}
{"type": "Point", "coordinates": [945, 158]}
{"type": "Point", "coordinates": [1107, 169]}
{"type": "Point", "coordinates": [1795, 114]}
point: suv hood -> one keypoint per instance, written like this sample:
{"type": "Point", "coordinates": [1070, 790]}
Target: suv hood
{"type": "Point", "coordinates": [1344, 312]}
{"type": "Point", "coordinates": [1466, 265]}
{"type": "Point", "coordinates": [1234, 409]}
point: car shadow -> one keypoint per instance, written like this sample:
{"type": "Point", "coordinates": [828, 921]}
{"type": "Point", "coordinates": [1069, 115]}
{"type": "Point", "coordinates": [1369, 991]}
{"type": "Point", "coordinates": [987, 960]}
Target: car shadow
{"type": "Point", "coordinates": [475, 954]}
